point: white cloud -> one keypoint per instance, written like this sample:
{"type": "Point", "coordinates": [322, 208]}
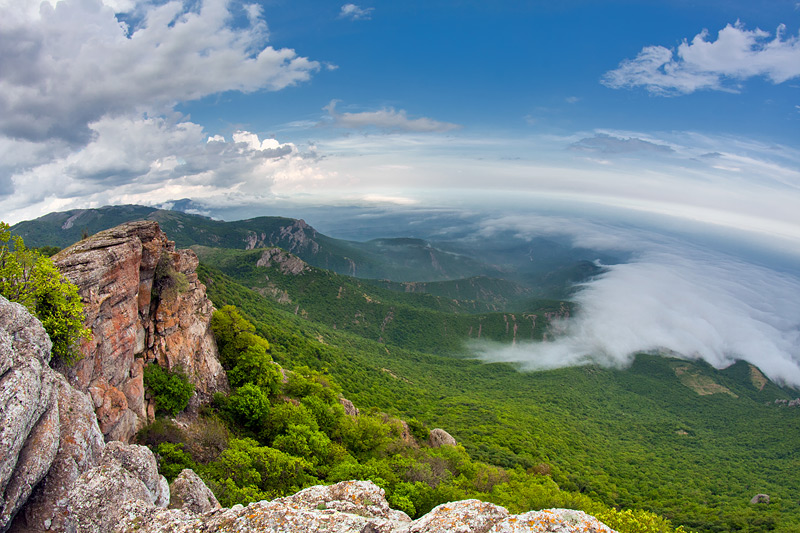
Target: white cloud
{"type": "Point", "coordinates": [139, 160]}
{"type": "Point", "coordinates": [67, 65]}
{"type": "Point", "coordinates": [386, 118]}
{"type": "Point", "coordinates": [674, 299]}
{"type": "Point", "coordinates": [736, 55]}
{"type": "Point", "coordinates": [609, 144]}
{"type": "Point", "coordinates": [354, 12]}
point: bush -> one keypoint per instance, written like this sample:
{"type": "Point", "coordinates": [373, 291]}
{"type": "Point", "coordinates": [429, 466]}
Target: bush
{"type": "Point", "coordinates": [168, 282]}
{"type": "Point", "coordinates": [249, 406]}
{"type": "Point", "coordinates": [172, 460]}
{"type": "Point", "coordinates": [31, 279]}
{"type": "Point", "coordinates": [170, 389]}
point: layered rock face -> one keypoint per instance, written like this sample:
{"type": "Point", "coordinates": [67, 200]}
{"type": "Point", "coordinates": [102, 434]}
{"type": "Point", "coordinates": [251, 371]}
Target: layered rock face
{"type": "Point", "coordinates": [143, 303]}
{"type": "Point", "coordinates": [50, 442]}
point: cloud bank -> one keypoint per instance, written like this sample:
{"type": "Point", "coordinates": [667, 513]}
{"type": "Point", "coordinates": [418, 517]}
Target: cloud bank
{"type": "Point", "coordinates": [675, 299]}
{"type": "Point", "coordinates": [388, 119]}
{"type": "Point", "coordinates": [87, 94]}
{"type": "Point", "coordinates": [736, 55]}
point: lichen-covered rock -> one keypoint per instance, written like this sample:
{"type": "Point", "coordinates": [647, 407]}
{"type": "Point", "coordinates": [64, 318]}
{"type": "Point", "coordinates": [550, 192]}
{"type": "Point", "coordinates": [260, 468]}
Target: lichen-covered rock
{"type": "Point", "coordinates": [140, 461]}
{"type": "Point", "coordinates": [440, 437]}
{"type": "Point", "coordinates": [189, 492]}
{"type": "Point", "coordinates": [80, 448]}
{"type": "Point", "coordinates": [94, 502]}
{"type": "Point", "coordinates": [351, 506]}
{"type": "Point", "coordinates": [143, 303]}
{"type": "Point", "coordinates": [467, 516]}
{"type": "Point", "coordinates": [363, 498]}
{"type": "Point", "coordinates": [551, 521]}
{"type": "Point", "coordinates": [28, 407]}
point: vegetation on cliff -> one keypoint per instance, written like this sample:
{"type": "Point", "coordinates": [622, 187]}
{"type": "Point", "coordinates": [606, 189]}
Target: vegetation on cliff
{"type": "Point", "coordinates": [30, 278]}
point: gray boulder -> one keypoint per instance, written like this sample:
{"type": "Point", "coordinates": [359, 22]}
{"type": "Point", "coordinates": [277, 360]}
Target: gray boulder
{"type": "Point", "coordinates": [189, 492]}
{"type": "Point", "coordinates": [29, 418]}
{"type": "Point", "coordinates": [440, 437]}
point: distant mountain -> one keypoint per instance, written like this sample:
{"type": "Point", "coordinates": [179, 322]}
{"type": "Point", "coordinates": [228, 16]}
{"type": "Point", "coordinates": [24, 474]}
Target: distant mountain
{"type": "Point", "coordinates": [393, 259]}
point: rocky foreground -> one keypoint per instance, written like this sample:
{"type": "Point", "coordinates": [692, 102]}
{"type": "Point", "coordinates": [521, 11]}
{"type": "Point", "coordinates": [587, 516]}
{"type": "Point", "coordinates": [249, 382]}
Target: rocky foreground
{"type": "Point", "coordinates": [62, 469]}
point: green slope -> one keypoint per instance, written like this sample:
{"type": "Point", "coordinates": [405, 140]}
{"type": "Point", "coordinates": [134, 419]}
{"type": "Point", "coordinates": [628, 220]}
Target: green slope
{"type": "Point", "coordinates": [412, 320]}
{"type": "Point", "coordinates": [646, 437]}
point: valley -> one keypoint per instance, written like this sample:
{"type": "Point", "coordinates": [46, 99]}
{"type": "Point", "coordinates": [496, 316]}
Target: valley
{"type": "Point", "coordinates": [672, 436]}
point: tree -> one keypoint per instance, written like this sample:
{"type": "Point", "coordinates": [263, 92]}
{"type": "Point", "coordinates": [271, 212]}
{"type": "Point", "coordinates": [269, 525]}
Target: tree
{"type": "Point", "coordinates": [171, 389]}
{"type": "Point", "coordinates": [234, 334]}
{"type": "Point", "coordinates": [31, 279]}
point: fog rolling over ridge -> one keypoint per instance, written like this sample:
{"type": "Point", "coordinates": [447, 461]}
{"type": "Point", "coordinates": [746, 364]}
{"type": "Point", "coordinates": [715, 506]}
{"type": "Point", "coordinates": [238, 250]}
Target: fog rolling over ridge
{"type": "Point", "coordinates": [671, 298]}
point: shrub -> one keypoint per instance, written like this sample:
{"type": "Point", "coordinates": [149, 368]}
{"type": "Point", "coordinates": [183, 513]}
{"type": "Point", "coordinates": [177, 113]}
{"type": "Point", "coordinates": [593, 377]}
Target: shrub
{"type": "Point", "coordinates": [31, 279]}
{"type": "Point", "coordinates": [172, 460]}
{"type": "Point", "coordinates": [170, 389]}
{"type": "Point", "coordinates": [167, 281]}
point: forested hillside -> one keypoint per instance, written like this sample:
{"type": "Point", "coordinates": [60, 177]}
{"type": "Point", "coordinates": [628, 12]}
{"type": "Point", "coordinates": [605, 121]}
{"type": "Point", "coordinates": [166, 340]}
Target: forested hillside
{"type": "Point", "coordinates": [675, 437]}
{"type": "Point", "coordinates": [668, 436]}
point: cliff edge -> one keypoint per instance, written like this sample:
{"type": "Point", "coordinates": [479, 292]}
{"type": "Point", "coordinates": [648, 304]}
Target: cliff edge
{"type": "Point", "coordinates": [143, 304]}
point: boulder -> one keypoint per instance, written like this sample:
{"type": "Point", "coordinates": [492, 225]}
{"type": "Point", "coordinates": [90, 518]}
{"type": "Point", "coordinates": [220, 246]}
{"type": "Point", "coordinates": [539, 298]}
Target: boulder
{"type": "Point", "coordinates": [139, 461]}
{"type": "Point", "coordinates": [473, 516]}
{"type": "Point", "coordinates": [552, 521]}
{"type": "Point", "coordinates": [349, 408]}
{"type": "Point", "coordinates": [440, 437]}
{"type": "Point", "coordinates": [760, 498]}
{"type": "Point", "coordinates": [189, 492]}
{"type": "Point", "coordinates": [94, 502]}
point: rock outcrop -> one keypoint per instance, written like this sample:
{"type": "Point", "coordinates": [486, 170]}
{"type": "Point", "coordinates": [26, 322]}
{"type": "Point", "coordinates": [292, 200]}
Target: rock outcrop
{"type": "Point", "coordinates": [190, 493]}
{"type": "Point", "coordinates": [440, 437]}
{"type": "Point", "coordinates": [353, 506]}
{"type": "Point", "coordinates": [29, 417]}
{"type": "Point", "coordinates": [51, 444]}
{"type": "Point", "coordinates": [287, 263]}
{"type": "Point", "coordinates": [143, 304]}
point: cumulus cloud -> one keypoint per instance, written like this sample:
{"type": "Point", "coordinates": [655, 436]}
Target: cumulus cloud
{"type": "Point", "coordinates": [671, 299]}
{"type": "Point", "coordinates": [137, 160]}
{"type": "Point", "coordinates": [67, 65]}
{"type": "Point", "coordinates": [354, 12]}
{"type": "Point", "coordinates": [386, 118]}
{"type": "Point", "coordinates": [736, 54]}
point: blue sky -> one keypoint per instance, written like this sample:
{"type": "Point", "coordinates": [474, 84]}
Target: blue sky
{"type": "Point", "coordinates": [686, 109]}
{"type": "Point", "coordinates": [637, 126]}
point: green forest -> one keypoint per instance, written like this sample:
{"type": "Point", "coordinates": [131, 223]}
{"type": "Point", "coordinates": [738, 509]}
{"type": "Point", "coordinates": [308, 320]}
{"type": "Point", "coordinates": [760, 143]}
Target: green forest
{"type": "Point", "coordinates": [640, 448]}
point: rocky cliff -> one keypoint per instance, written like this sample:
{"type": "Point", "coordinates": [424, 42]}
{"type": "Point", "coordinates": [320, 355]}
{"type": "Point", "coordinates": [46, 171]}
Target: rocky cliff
{"type": "Point", "coordinates": [50, 442]}
{"type": "Point", "coordinates": [143, 304]}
